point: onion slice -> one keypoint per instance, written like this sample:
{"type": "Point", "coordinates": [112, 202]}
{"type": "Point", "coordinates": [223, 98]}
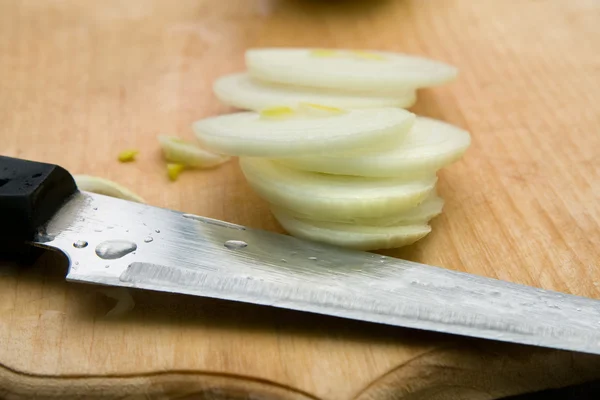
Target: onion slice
{"type": "Point", "coordinates": [352, 236]}
{"type": "Point", "coordinates": [419, 215]}
{"type": "Point", "coordinates": [333, 196]}
{"type": "Point", "coordinates": [373, 72]}
{"type": "Point", "coordinates": [429, 146]}
{"type": "Point", "coordinates": [106, 187]}
{"type": "Point", "coordinates": [241, 91]}
{"type": "Point", "coordinates": [298, 132]}
{"type": "Point", "coordinates": [179, 151]}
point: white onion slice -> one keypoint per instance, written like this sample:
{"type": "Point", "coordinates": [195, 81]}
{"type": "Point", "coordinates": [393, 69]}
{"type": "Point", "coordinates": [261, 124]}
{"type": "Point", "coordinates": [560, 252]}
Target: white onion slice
{"type": "Point", "coordinates": [333, 196]}
{"type": "Point", "coordinates": [419, 215]}
{"type": "Point", "coordinates": [106, 187]}
{"type": "Point", "coordinates": [299, 133]}
{"type": "Point", "coordinates": [241, 91]}
{"type": "Point", "coordinates": [373, 72]}
{"type": "Point", "coordinates": [429, 146]}
{"type": "Point", "coordinates": [352, 236]}
{"type": "Point", "coordinates": [188, 154]}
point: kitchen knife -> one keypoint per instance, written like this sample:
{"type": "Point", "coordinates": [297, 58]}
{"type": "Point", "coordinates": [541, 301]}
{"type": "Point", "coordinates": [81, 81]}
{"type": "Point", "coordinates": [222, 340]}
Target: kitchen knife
{"type": "Point", "coordinates": [114, 242]}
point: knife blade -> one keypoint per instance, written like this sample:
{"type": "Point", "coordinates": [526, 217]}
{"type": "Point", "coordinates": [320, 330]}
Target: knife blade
{"type": "Point", "coordinates": [114, 242]}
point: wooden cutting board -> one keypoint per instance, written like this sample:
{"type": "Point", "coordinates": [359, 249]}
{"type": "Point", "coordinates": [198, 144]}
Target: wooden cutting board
{"type": "Point", "coordinates": [81, 81]}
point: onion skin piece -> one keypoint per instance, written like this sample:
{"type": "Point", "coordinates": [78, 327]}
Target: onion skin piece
{"type": "Point", "coordinates": [352, 236]}
{"type": "Point", "coordinates": [105, 187]}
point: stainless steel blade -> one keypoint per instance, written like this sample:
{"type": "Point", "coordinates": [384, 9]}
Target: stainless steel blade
{"type": "Point", "coordinates": [188, 254]}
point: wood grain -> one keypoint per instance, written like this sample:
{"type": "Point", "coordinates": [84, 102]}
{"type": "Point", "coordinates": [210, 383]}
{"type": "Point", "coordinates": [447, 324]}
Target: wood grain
{"type": "Point", "coordinates": [81, 81]}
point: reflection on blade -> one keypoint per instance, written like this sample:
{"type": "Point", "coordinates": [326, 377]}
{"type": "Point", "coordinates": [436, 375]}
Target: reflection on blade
{"type": "Point", "coordinates": [204, 257]}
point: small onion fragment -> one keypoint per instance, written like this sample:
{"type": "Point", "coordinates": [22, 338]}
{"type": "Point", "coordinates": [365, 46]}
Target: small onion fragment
{"type": "Point", "coordinates": [127, 155]}
{"type": "Point", "coordinates": [174, 170]}
{"type": "Point", "coordinates": [179, 151]}
{"type": "Point", "coordinates": [105, 187]}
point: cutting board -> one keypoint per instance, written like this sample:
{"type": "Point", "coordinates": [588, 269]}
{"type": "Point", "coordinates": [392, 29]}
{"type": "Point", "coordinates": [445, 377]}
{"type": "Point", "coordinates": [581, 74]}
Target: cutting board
{"type": "Point", "coordinates": [81, 80]}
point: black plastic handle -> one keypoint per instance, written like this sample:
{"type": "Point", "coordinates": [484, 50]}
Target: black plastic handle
{"type": "Point", "coordinates": [30, 193]}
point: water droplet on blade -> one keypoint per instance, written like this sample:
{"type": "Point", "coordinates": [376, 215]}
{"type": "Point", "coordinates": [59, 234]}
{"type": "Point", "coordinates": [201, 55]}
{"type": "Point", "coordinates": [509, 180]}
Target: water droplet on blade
{"type": "Point", "coordinates": [107, 266]}
{"type": "Point", "coordinates": [76, 262]}
{"type": "Point", "coordinates": [157, 230]}
{"type": "Point", "coordinates": [312, 258]}
{"type": "Point", "coordinates": [113, 249]}
{"type": "Point", "coordinates": [148, 239]}
{"type": "Point", "coordinates": [283, 260]}
{"type": "Point", "coordinates": [80, 244]}
{"type": "Point", "coordinates": [235, 244]}
{"type": "Point", "coordinates": [95, 208]}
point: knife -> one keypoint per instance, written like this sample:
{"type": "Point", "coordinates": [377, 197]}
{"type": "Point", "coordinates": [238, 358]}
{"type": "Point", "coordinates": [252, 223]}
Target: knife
{"type": "Point", "coordinates": [114, 242]}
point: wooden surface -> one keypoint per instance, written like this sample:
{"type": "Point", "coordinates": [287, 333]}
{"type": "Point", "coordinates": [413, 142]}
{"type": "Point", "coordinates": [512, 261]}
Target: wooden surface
{"type": "Point", "coordinates": [82, 80]}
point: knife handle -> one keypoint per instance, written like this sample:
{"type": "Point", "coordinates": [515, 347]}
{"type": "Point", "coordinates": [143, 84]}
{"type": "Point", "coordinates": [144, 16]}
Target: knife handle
{"type": "Point", "coordinates": [30, 193]}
